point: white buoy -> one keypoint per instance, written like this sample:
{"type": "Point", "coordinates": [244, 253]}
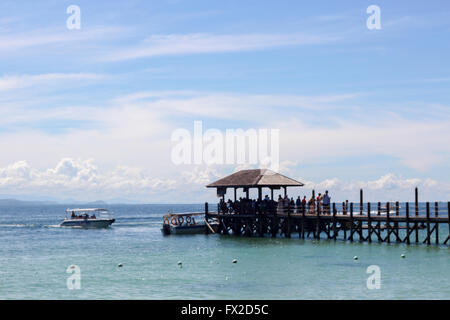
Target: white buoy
{"type": "Point", "coordinates": [355, 258]}
{"type": "Point", "coordinates": [403, 255]}
{"type": "Point", "coordinates": [120, 265]}
{"type": "Point", "coordinates": [234, 261]}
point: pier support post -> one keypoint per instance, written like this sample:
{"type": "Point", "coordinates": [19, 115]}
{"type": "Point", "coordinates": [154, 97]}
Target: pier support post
{"type": "Point", "coordinates": [274, 227]}
{"type": "Point", "coordinates": [361, 207]}
{"type": "Point", "coordinates": [361, 203]}
{"type": "Point", "coordinates": [428, 224]}
{"type": "Point", "coordinates": [288, 227]}
{"type": "Point", "coordinates": [436, 225]}
{"type": "Point", "coordinates": [416, 226]}
{"type": "Point", "coordinates": [388, 224]}
{"type": "Point", "coordinates": [334, 221]}
{"type": "Point", "coordinates": [448, 222]}
{"type": "Point", "coordinates": [397, 208]}
{"type": "Point", "coordinates": [303, 220]}
{"type": "Point", "coordinates": [351, 221]}
{"type": "Point", "coordinates": [407, 224]}
{"type": "Point", "coordinates": [369, 224]}
{"type": "Point", "coordinates": [380, 239]}
{"type": "Point", "coordinates": [206, 216]}
{"type": "Point", "coordinates": [318, 222]}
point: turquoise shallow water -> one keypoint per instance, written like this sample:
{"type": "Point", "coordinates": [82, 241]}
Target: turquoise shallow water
{"type": "Point", "coordinates": [34, 256]}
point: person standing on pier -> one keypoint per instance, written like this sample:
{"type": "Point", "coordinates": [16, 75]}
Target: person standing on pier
{"type": "Point", "coordinates": [319, 203]}
{"type": "Point", "coordinates": [326, 202]}
{"type": "Point", "coordinates": [311, 205]}
{"type": "Point", "coordinates": [345, 207]}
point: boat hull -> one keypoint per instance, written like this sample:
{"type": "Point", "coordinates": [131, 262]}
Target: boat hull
{"type": "Point", "coordinates": [87, 223]}
{"type": "Point", "coordinates": [191, 229]}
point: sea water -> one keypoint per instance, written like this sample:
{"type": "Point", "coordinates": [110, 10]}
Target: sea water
{"type": "Point", "coordinates": [35, 254]}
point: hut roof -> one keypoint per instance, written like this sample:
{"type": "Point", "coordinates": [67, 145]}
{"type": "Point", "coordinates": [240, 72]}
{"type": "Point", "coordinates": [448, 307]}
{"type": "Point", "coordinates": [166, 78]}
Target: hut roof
{"type": "Point", "coordinates": [255, 178]}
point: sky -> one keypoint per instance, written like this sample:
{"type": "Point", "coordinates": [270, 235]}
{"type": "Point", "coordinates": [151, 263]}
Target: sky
{"type": "Point", "coordinates": [88, 114]}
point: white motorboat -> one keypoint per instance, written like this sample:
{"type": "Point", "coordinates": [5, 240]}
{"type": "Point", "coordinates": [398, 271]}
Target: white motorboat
{"type": "Point", "coordinates": [88, 218]}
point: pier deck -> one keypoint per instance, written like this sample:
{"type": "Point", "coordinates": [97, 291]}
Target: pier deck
{"type": "Point", "coordinates": [410, 227]}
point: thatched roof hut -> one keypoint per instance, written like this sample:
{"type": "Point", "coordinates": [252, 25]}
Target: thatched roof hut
{"type": "Point", "coordinates": [255, 178]}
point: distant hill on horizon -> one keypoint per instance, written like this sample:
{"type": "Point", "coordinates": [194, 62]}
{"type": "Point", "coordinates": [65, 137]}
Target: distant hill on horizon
{"type": "Point", "coordinates": [15, 202]}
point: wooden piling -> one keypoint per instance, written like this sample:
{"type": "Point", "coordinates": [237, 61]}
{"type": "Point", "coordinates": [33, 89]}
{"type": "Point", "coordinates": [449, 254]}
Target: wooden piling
{"type": "Point", "coordinates": [206, 216]}
{"type": "Point", "coordinates": [361, 207]}
{"type": "Point", "coordinates": [388, 225]}
{"type": "Point", "coordinates": [397, 208]}
{"type": "Point", "coordinates": [361, 203]}
{"type": "Point", "coordinates": [436, 225]}
{"type": "Point", "coordinates": [334, 221]}
{"type": "Point", "coordinates": [351, 221]}
{"type": "Point", "coordinates": [274, 227]}
{"type": "Point", "coordinates": [288, 227]}
{"type": "Point", "coordinates": [303, 220]}
{"type": "Point", "coordinates": [448, 212]}
{"type": "Point", "coordinates": [416, 226]}
{"type": "Point", "coordinates": [407, 223]}
{"type": "Point", "coordinates": [248, 223]}
{"type": "Point", "coordinates": [369, 224]}
{"type": "Point", "coordinates": [428, 224]}
{"type": "Point", "coordinates": [318, 222]}
{"type": "Point", "coordinates": [380, 239]}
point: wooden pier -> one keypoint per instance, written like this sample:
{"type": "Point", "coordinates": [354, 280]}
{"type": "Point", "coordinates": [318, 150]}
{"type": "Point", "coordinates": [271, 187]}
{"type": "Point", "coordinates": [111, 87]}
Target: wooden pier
{"type": "Point", "coordinates": [349, 226]}
{"type": "Point", "coordinates": [344, 221]}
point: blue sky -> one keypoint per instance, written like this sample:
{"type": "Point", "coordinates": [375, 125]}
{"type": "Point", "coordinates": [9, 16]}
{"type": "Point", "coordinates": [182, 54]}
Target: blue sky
{"type": "Point", "coordinates": [88, 114]}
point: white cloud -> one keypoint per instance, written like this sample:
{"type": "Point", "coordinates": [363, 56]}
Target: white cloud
{"type": "Point", "coordinates": [85, 180]}
{"type": "Point", "coordinates": [416, 144]}
{"type": "Point", "coordinates": [80, 178]}
{"type": "Point", "coordinates": [13, 41]}
{"type": "Point", "coordinates": [134, 131]}
{"type": "Point", "coordinates": [388, 187]}
{"type": "Point", "coordinates": [23, 81]}
{"type": "Point", "coordinates": [194, 43]}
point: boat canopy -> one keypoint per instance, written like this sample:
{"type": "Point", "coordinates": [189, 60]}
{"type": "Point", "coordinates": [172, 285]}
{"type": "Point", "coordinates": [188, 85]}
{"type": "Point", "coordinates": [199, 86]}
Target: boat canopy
{"type": "Point", "coordinates": [87, 210]}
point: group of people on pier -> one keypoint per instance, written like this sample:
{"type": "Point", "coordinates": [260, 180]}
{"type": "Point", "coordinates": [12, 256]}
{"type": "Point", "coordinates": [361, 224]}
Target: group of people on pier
{"type": "Point", "coordinates": [320, 204]}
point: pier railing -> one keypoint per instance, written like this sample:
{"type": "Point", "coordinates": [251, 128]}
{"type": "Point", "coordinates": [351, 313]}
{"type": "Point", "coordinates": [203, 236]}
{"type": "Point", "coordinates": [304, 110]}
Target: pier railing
{"type": "Point", "coordinates": [388, 222]}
